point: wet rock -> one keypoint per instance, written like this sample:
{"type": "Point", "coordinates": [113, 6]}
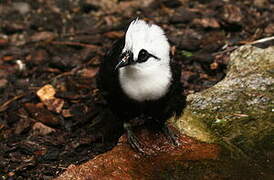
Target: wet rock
{"type": "Point", "coordinates": [238, 111]}
{"type": "Point", "coordinates": [122, 161]}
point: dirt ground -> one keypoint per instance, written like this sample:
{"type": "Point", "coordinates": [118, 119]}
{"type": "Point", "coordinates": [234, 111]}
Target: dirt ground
{"type": "Point", "coordinates": [61, 43]}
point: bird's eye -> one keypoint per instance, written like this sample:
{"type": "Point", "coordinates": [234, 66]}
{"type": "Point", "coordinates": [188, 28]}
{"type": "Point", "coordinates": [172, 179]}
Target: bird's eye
{"type": "Point", "coordinates": [143, 56]}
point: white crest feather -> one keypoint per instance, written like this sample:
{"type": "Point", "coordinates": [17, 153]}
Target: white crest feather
{"type": "Point", "coordinates": [149, 80]}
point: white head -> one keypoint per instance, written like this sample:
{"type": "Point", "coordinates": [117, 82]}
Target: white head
{"type": "Point", "coordinates": [144, 69]}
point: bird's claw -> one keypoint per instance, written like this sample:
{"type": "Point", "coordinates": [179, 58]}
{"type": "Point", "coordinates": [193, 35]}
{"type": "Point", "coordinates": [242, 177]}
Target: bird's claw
{"type": "Point", "coordinates": [135, 143]}
{"type": "Point", "coordinates": [171, 136]}
{"type": "Point", "coordinates": [133, 140]}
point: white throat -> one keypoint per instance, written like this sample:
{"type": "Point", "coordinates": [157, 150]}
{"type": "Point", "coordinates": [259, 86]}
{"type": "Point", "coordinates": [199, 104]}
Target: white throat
{"type": "Point", "coordinates": [148, 80]}
{"type": "Point", "coordinates": [144, 85]}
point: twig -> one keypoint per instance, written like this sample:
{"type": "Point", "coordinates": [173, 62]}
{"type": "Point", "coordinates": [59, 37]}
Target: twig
{"type": "Point", "coordinates": [4, 106]}
{"type": "Point", "coordinates": [225, 51]}
{"type": "Point", "coordinates": [261, 40]}
{"type": "Point", "coordinates": [91, 46]}
{"type": "Point", "coordinates": [246, 43]}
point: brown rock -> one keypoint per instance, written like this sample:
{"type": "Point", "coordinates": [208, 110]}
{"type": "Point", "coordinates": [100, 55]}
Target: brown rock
{"type": "Point", "coordinates": [123, 162]}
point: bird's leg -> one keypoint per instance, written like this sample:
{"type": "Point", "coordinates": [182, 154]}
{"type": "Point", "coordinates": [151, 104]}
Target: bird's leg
{"type": "Point", "coordinates": [171, 135]}
{"type": "Point", "coordinates": [132, 139]}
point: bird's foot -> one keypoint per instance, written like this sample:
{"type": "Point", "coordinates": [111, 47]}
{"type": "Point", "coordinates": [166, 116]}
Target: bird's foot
{"type": "Point", "coordinates": [171, 135]}
{"type": "Point", "coordinates": [132, 139]}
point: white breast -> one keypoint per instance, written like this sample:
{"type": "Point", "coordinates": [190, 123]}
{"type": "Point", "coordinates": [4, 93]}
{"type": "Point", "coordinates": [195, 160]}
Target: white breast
{"type": "Point", "coordinates": [142, 85]}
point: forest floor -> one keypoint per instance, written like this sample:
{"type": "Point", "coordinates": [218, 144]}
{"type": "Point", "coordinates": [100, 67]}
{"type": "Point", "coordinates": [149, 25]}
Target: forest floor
{"type": "Point", "coordinates": [50, 52]}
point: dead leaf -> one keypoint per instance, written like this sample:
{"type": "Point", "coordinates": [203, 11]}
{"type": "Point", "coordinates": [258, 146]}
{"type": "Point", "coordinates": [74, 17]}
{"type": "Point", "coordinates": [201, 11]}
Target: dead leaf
{"type": "Point", "coordinates": [89, 72]}
{"type": "Point", "coordinates": [207, 22]}
{"type": "Point", "coordinates": [41, 129]}
{"type": "Point", "coordinates": [47, 92]}
{"type": "Point", "coordinates": [54, 104]}
{"type": "Point", "coordinates": [41, 114]}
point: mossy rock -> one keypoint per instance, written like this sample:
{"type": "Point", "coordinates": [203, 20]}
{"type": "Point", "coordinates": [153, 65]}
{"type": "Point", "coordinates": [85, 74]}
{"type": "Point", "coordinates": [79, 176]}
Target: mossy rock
{"type": "Point", "coordinates": [237, 112]}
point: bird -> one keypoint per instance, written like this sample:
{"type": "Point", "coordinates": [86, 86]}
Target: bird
{"type": "Point", "coordinates": [140, 81]}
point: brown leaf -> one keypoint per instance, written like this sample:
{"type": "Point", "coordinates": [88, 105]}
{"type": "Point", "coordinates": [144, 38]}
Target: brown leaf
{"type": "Point", "coordinates": [41, 114]}
{"type": "Point", "coordinates": [46, 95]}
{"type": "Point", "coordinates": [54, 104]}
{"type": "Point", "coordinates": [47, 92]}
{"type": "Point", "coordinates": [89, 72]}
{"type": "Point", "coordinates": [22, 125]}
{"type": "Point", "coordinates": [41, 129]}
{"type": "Point", "coordinates": [207, 22]}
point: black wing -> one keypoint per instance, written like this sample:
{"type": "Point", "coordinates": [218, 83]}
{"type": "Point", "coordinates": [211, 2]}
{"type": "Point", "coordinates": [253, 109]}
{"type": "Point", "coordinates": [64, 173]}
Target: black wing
{"type": "Point", "coordinates": [107, 79]}
{"type": "Point", "coordinates": [177, 100]}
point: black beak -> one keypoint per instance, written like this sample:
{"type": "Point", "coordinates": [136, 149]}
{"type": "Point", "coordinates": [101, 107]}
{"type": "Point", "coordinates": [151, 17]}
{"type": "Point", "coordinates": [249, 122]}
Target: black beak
{"type": "Point", "coordinates": [125, 59]}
